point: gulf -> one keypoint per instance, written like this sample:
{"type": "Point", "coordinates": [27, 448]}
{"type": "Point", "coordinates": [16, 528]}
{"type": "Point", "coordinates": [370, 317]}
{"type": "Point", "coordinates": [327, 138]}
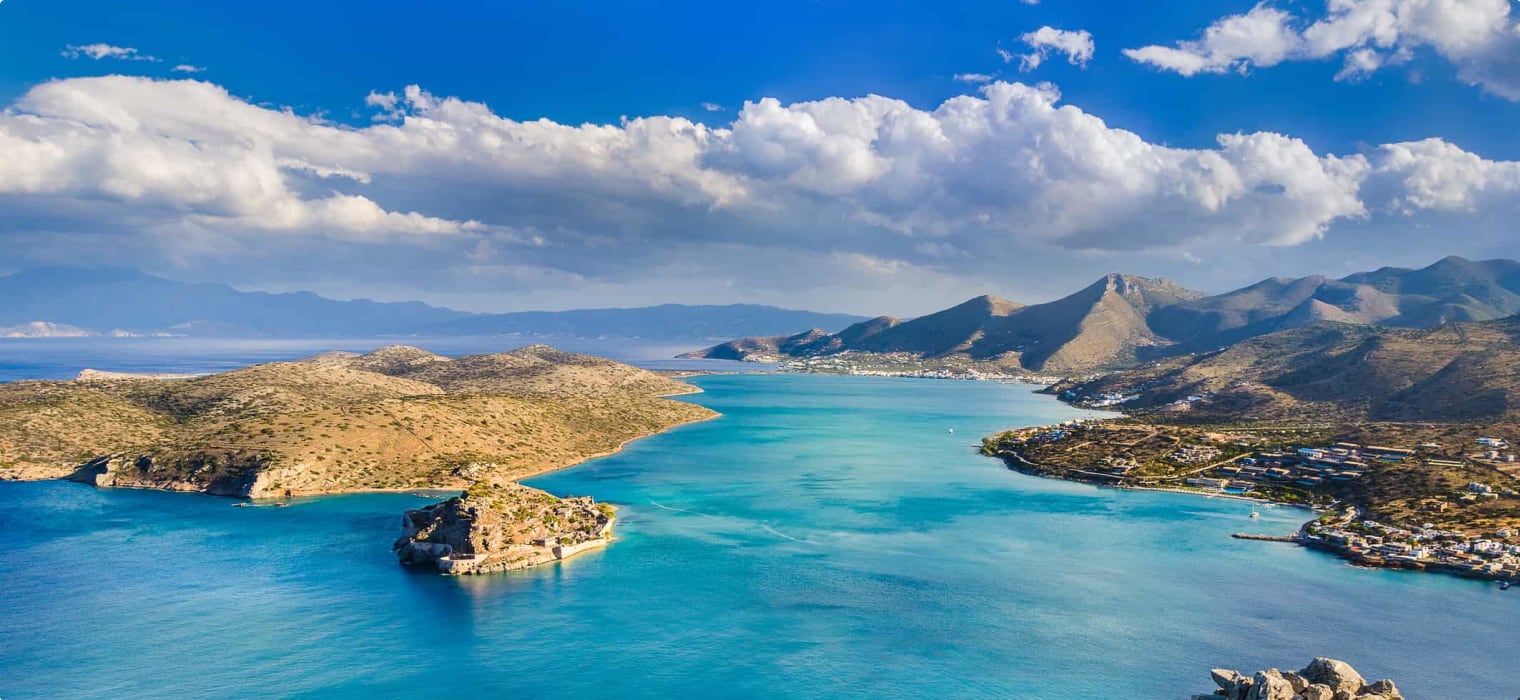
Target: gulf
{"type": "Point", "coordinates": [828, 537]}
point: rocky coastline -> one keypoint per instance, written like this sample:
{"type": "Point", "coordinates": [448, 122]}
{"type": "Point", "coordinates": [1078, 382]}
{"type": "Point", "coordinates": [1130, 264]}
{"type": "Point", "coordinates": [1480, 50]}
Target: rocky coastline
{"type": "Point", "coordinates": [1322, 679]}
{"type": "Point", "coordinates": [493, 528]}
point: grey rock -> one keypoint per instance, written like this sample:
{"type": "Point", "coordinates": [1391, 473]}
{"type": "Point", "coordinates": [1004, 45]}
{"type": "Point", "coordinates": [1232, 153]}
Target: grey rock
{"type": "Point", "coordinates": [1339, 675]}
{"type": "Point", "coordinates": [1385, 688]}
{"type": "Point", "coordinates": [1317, 691]}
{"type": "Point", "coordinates": [1270, 685]}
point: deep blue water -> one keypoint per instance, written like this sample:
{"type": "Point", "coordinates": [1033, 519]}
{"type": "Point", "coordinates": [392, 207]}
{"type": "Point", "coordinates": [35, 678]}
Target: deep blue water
{"type": "Point", "coordinates": [828, 537]}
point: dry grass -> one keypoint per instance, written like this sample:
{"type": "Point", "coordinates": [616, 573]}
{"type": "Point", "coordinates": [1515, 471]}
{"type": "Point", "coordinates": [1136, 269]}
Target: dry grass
{"type": "Point", "coordinates": [396, 418]}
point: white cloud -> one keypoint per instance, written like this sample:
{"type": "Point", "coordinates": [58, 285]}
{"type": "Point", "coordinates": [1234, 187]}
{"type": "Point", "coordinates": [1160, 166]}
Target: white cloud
{"type": "Point", "coordinates": [1261, 37]}
{"type": "Point", "coordinates": [973, 78]}
{"type": "Point", "coordinates": [1076, 45]}
{"type": "Point", "coordinates": [1478, 36]}
{"type": "Point", "coordinates": [100, 51]}
{"type": "Point", "coordinates": [188, 68]}
{"type": "Point", "coordinates": [712, 107]}
{"type": "Point", "coordinates": [873, 180]}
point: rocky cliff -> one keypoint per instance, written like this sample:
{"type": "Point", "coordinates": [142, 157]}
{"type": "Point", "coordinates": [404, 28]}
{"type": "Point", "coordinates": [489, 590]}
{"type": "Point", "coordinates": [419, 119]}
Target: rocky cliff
{"type": "Point", "coordinates": [1322, 679]}
{"type": "Point", "coordinates": [507, 527]}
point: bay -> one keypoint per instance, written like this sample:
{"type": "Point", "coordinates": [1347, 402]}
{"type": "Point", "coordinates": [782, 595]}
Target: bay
{"type": "Point", "coordinates": [827, 537]}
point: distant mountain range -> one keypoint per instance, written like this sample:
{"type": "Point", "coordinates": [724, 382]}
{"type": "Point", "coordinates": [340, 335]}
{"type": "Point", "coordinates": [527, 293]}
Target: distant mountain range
{"type": "Point", "coordinates": [56, 302]}
{"type": "Point", "coordinates": [1122, 319]}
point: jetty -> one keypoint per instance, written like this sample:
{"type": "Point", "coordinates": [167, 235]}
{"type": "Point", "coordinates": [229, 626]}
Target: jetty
{"type": "Point", "coordinates": [1265, 538]}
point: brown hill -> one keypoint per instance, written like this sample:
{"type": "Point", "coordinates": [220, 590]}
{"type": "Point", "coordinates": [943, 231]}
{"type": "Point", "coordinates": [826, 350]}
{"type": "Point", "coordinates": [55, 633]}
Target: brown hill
{"type": "Point", "coordinates": [1457, 372]}
{"type": "Point", "coordinates": [1121, 320]}
{"type": "Point", "coordinates": [1100, 326]}
{"type": "Point", "coordinates": [395, 418]}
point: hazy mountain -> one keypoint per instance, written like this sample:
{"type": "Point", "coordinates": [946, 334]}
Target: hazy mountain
{"type": "Point", "coordinates": [101, 300]}
{"type": "Point", "coordinates": [667, 321]}
{"type": "Point", "coordinates": [79, 301]}
{"type": "Point", "coordinates": [1121, 320]}
{"type": "Point", "coordinates": [1451, 290]}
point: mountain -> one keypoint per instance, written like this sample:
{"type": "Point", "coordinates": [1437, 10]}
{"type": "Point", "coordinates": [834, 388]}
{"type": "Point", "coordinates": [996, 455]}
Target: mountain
{"type": "Point", "coordinates": [667, 321]}
{"type": "Point", "coordinates": [399, 417]}
{"type": "Point", "coordinates": [1451, 290]}
{"type": "Point", "coordinates": [100, 300]}
{"type": "Point", "coordinates": [1454, 372]}
{"type": "Point", "coordinates": [80, 301]}
{"type": "Point", "coordinates": [1121, 320]}
{"type": "Point", "coordinates": [1100, 326]}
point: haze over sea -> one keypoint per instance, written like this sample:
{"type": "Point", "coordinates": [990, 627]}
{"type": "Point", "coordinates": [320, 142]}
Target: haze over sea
{"type": "Point", "coordinates": [827, 537]}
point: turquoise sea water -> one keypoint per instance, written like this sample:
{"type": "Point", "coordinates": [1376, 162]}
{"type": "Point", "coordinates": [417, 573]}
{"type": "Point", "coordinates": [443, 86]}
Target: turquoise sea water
{"type": "Point", "coordinates": [827, 538]}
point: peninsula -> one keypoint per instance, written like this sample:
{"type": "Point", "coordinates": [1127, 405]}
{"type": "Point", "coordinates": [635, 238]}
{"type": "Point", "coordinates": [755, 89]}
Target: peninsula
{"type": "Point", "coordinates": [1403, 438]}
{"type": "Point", "coordinates": [394, 419]}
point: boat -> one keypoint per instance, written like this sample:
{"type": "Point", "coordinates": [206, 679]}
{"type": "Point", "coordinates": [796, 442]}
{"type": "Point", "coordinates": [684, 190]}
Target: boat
{"type": "Point", "coordinates": [952, 431]}
{"type": "Point", "coordinates": [1504, 585]}
{"type": "Point", "coordinates": [1255, 514]}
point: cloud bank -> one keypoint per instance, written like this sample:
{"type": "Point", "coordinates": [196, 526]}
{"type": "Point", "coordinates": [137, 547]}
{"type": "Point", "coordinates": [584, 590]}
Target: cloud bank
{"type": "Point", "coordinates": [873, 184]}
{"type": "Point", "coordinates": [1479, 37]}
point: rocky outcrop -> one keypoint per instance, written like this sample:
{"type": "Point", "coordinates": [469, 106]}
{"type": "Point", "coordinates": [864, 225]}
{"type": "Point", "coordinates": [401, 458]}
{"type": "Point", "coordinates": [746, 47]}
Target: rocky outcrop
{"type": "Point", "coordinates": [495, 528]}
{"type": "Point", "coordinates": [1322, 679]}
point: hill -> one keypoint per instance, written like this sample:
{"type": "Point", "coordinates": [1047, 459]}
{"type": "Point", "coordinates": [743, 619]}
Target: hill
{"type": "Point", "coordinates": [398, 417]}
{"type": "Point", "coordinates": [1102, 325]}
{"type": "Point", "coordinates": [1332, 372]}
{"type": "Point", "coordinates": [1451, 290]}
{"type": "Point", "coordinates": [1121, 320]}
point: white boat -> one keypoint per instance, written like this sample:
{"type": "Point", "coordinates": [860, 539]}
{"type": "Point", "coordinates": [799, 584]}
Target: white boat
{"type": "Point", "coordinates": [1255, 514]}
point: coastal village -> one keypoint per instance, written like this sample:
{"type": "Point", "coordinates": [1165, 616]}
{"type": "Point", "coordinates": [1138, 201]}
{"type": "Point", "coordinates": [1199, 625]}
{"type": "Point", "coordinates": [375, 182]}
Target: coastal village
{"type": "Point", "coordinates": [1466, 523]}
{"type": "Point", "coordinates": [903, 365]}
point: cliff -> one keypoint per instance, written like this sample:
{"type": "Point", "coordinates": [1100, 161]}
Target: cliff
{"type": "Point", "coordinates": [1322, 679]}
{"type": "Point", "coordinates": [495, 528]}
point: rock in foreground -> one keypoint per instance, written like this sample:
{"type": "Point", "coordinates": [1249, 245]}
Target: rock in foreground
{"type": "Point", "coordinates": [495, 528]}
{"type": "Point", "coordinates": [1322, 679]}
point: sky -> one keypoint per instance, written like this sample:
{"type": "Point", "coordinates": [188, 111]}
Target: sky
{"type": "Point", "coordinates": [869, 157]}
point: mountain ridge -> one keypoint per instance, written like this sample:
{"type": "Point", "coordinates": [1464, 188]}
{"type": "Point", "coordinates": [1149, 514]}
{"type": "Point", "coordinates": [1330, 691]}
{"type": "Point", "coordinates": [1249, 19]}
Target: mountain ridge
{"type": "Point", "coordinates": [77, 301]}
{"type": "Point", "coordinates": [1121, 320]}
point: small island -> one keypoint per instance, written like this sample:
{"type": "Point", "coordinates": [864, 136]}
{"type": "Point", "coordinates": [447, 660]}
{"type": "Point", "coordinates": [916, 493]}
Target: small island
{"type": "Point", "coordinates": [494, 528]}
{"type": "Point", "coordinates": [1322, 679]}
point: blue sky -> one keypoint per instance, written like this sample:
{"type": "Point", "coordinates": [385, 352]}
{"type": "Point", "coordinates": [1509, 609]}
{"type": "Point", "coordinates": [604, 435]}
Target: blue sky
{"type": "Point", "coordinates": [601, 62]}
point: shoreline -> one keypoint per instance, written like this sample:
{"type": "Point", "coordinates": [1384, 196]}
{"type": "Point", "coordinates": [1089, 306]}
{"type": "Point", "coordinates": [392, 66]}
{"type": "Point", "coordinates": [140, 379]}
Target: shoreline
{"type": "Point", "coordinates": [1298, 538]}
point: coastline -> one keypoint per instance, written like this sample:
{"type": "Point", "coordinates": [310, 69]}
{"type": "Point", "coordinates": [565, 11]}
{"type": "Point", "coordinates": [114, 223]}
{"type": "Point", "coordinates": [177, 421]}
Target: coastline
{"type": "Point", "coordinates": [1299, 537]}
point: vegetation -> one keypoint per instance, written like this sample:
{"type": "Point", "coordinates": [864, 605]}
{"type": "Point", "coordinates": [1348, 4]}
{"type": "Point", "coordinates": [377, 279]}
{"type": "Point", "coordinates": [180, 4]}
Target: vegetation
{"type": "Point", "coordinates": [395, 418]}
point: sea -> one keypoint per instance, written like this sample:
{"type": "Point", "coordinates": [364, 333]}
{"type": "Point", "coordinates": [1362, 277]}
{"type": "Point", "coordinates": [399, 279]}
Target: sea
{"type": "Point", "coordinates": [827, 537]}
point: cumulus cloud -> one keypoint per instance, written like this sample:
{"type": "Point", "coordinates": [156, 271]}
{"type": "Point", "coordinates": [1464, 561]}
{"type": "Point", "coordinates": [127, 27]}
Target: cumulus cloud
{"type": "Point", "coordinates": [1077, 46]}
{"type": "Point", "coordinates": [100, 51]}
{"type": "Point", "coordinates": [872, 180]}
{"type": "Point", "coordinates": [712, 107]}
{"type": "Point", "coordinates": [1478, 36]}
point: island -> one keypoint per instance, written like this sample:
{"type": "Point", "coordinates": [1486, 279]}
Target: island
{"type": "Point", "coordinates": [492, 528]}
{"type": "Point", "coordinates": [399, 418]}
{"type": "Point", "coordinates": [1322, 679]}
